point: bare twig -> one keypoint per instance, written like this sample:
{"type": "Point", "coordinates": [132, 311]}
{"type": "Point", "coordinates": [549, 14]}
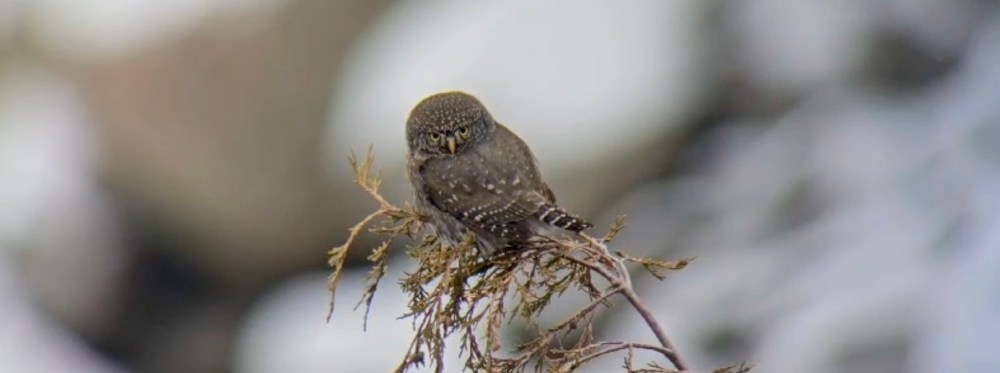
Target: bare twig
{"type": "Point", "coordinates": [615, 346]}
{"type": "Point", "coordinates": [640, 306]}
{"type": "Point", "coordinates": [622, 283]}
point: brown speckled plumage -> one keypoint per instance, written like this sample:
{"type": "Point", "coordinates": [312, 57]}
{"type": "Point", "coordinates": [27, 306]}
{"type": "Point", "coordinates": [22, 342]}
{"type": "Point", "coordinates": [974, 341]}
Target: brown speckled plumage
{"type": "Point", "coordinates": [470, 173]}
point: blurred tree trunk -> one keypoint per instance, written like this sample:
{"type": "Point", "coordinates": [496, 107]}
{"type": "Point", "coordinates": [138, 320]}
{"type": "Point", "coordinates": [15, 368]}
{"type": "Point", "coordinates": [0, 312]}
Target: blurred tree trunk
{"type": "Point", "coordinates": [217, 138]}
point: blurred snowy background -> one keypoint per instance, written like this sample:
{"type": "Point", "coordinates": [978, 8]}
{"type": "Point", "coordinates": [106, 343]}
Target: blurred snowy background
{"type": "Point", "coordinates": [172, 173]}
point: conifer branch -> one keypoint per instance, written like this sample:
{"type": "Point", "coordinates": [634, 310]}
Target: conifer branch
{"type": "Point", "coordinates": [454, 290]}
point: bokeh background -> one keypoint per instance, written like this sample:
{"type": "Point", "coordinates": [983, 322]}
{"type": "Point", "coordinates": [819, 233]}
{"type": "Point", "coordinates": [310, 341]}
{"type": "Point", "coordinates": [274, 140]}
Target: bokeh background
{"type": "Point", "coordinates": [172, 173]}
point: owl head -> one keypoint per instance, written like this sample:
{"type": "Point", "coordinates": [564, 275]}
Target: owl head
{"type": "Point", "coordinates": [447, 123]}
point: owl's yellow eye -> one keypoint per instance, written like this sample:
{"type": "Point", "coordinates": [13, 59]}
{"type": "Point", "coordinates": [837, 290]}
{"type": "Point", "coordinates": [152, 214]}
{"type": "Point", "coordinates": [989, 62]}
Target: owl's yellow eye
{"type": "Point", "coordinates": [434, 136]}
{"type": "Point", "coordinates": [464, 132]}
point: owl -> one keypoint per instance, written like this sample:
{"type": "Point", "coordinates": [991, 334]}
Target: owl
{"type": "Point", "coordinates": [471, 174]}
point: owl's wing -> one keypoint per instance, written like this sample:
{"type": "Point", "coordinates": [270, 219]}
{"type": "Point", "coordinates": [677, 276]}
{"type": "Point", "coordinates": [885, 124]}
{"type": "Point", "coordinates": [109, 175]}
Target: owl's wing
{"type": "Point", "coordinates": [528, 161]}
{"type": "Point", "coordinates": [483, 198]}
{"type": "Point", "coordinates": [503, 216]}
{"type": "Point", "coordinates": [551, 197]}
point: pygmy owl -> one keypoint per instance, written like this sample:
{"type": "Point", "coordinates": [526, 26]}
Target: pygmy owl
{"type": "Point", "coordinates": [472, 174]}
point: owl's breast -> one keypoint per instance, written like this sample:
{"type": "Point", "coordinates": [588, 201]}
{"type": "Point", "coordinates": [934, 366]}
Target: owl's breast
{"type": "Point", "coordinates": [463, 172]}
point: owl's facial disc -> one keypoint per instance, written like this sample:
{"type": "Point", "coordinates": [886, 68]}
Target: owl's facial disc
{"type": "Point", "coordinates": [449, 141]}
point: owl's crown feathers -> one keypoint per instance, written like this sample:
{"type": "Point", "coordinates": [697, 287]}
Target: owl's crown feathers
{"type": "Point", "coordinates": [447, 109]}
{"type": "Point", "coordinates": [448, 122]}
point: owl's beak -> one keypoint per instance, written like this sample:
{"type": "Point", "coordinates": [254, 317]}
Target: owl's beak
{"type": "Point", "coordinates": [452, 145]}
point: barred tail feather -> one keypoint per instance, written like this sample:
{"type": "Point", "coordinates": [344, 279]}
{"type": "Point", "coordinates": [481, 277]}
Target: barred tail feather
{"type": "Point", "coordinates": [557, 217]}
